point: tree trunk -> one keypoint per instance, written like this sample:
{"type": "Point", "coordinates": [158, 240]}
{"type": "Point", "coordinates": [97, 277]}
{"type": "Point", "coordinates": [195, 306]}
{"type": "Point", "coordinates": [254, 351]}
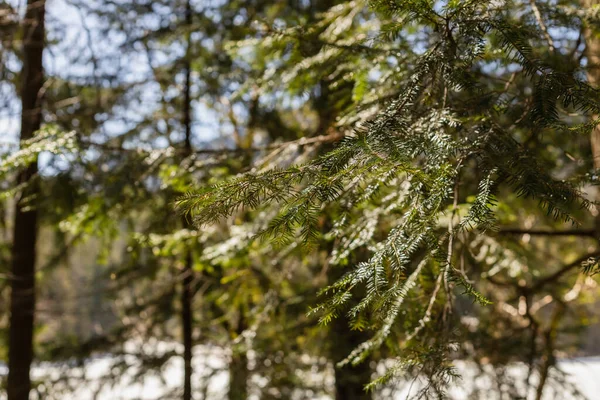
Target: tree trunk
{"type": "Point", "coordinates": [22, 300]}
{"type": "Point", "coordinates": [238, 375]}
{"type": "Point", "coordinates": [350, 380]}
{"type": "Point", "coordinates": [238, 367]}
{"type": "Point", "coordinates": [593, 75]}
{"type": "Point", "coordinates": [188, 272]}
{"type": "Point", "coordinates": [187, 327]}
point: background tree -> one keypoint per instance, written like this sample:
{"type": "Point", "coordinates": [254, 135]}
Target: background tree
{"type": "Point", "coordinates": [22, 300]}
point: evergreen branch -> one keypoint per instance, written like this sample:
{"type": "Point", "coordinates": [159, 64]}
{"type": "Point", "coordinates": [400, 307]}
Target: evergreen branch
{"type": "Point", "coordinates": [360, 353]}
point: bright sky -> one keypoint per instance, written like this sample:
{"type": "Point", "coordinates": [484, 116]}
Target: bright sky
{"type": "Point", "coordinates": [75, 38]}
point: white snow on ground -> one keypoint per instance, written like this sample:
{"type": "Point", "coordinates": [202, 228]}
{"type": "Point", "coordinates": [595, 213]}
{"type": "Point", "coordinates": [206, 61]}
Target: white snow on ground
{"type": "Point", "coordinates": [581, 374]}
{"type": "Point", "coordinates": [211, 368]}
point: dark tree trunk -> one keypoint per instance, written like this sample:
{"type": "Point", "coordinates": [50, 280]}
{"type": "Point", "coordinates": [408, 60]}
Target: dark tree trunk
{"type": "Point", "coordinates": [238, 375]}
{"type": "Point", "coordinates": [350, 380]}
{"type": "Point", "coordinates": [593, 75]}
{"type": "Point", "coordinates": [350, 384]}
{"type": "Point", "coordinates": [238, 367]}
{"type": "Point", "coordinates": [188, 272]}
{"type": "Point", "coordinates": [186, 321]}
{"type": "Point", "coordinates": [22, 305]}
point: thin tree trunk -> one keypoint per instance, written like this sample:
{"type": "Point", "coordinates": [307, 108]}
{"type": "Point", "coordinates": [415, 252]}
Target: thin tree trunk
{"type": "Point", "coordinates": [548, 359]}
{"type": "Point", "coordinates": [188, 273]}
{"type": "Point", "coordinates": [186, 320]}
{"type": "Point", "coordinates": [238, 367]}
{"type": "Point", "coordinates": [22, 306]}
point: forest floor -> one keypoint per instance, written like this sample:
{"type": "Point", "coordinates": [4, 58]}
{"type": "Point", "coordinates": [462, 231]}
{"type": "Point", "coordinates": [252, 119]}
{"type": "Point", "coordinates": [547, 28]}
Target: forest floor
{"type": "Point", "coordinates": [211, 379]}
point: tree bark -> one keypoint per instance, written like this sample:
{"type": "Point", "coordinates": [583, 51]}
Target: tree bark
{"type": "Point", "coordinates": [350, 381]}
{"type": "Point", "coordinates": [22, 299]}
{"type": "Point", "coordinates": [187, 326]}
{"type": "Point", "coordinates": [238, 375]}
{"type": "Point", "coordinates": [238, 367]}
{"type": "Point", "coordinates": [593, 75]}
{"type": "Point", "coordinates": [188, 272]}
